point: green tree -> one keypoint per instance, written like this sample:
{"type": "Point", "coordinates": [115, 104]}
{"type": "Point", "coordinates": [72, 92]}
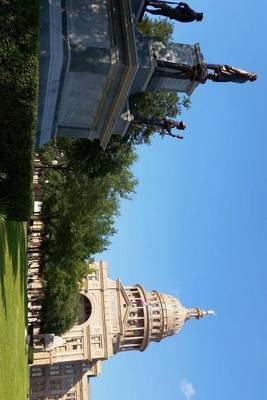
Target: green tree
{"type": "Point", "coordinates": [62, 297]}
{"type": "Point", "coordinates": [85, 157]}
{"type": "Point", "coordinates": [19, 61]}
{"type": "Point", "coordinates": [2, 201]}
{"type": "Point", "coordinates": [162, 28]}
{"type": "Point", "coordinates": [80, 204]}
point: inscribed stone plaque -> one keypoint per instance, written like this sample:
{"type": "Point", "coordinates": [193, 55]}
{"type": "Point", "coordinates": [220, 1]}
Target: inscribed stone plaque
{"type": "Point", "coordinates": [81, 98]}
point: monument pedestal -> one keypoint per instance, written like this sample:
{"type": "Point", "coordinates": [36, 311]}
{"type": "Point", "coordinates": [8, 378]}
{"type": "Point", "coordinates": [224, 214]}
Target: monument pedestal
{"type": "Point", "coordinates": [88, 63]}
{"type": "Point", "coordinates": [185, 54]}
{"type": "Point", "coordinates": [92, 59]}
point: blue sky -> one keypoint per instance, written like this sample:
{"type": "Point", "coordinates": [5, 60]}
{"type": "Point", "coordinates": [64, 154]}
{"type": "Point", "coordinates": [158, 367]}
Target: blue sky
{"type": "Point", "coordinates": [196, 228]}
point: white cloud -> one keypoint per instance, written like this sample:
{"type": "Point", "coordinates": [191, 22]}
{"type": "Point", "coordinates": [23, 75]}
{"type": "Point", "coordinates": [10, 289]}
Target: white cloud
{"type": "Point", "coordinates": [188, 389]}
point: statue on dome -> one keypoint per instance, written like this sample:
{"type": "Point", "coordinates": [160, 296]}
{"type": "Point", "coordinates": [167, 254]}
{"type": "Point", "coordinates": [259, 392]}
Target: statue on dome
{"type": "Point", "coordinates": [182, 12]}
{"type": "Point", "coordinates": [201, 72]}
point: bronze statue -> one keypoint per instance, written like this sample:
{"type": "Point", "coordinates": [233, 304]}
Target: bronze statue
{"type": "Point", "coordinates": [226, 73]}
{"type": "Point", "coordinates": [163, 126]}
{"type": "Point", "coordinates": [181, 13]}
{"type": "Point", "coordinates": [200, 72]}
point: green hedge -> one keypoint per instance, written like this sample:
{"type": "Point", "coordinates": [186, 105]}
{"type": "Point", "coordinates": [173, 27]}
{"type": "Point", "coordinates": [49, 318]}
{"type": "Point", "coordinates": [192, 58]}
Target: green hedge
{"type": "Point", "coordinates": [19, 26]}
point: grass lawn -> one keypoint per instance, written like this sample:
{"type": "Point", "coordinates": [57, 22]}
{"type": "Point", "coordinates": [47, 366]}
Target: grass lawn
{"type": "Point", "coordinates": [13, 357]}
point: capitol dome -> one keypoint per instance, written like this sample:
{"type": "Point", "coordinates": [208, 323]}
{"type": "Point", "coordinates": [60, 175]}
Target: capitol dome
{"type": "Point", "coordinates": [152, 316]}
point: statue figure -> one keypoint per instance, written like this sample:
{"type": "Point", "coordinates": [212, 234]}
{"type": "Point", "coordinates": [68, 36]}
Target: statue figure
{"type": "Point", "coordinates": [226, 73]}
{"type": "Point", "coordinates": [200, 73]}
{"type": "Point", "coordinates": [181, 13]}
{"type": "Point", "coordinates": [163, 126]}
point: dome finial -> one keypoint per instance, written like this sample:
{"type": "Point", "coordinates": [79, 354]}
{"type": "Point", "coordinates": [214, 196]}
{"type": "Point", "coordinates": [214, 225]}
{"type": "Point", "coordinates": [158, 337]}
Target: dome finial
{"type": "Point", "coordinates": [196, 313]}
{"type": "Point", "coordinates": [211, 312]}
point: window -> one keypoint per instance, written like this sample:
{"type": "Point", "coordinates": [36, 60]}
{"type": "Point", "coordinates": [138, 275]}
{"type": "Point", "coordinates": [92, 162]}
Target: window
{"type": "Point", "coordinates": [74, 340]}
{"type": "Point", "coordinates": [36, 371]}
{"type": "Point", "coordinates": [96, 341]}
{"type": "Point", "coordinates": [68, 383]}
{"type": "Point", "coordinates": [77, 347]}
{"type": "Point", "coordinates": [71, 395]}
{"type": "Point", "coordinates": [85, 367]}
{"type": "Point", "coordinates": [95, 338]}
{"type": "Point", "coordinates": [129, 333]}
{"type": "Point", "coordinates": [69, 369]}
{"type": "Point", "coordinates": [132, 314]}
{"type": "Point", "coordinates": [61, 348]}
{"type": "Point", "coordinates": [54, 369]}
{"type": "Point", "coordinates": [55, 385]}
{"type": "Point", "coordinates": [93, 276]}
{"type": "Point", "coordinates": [37, 387]}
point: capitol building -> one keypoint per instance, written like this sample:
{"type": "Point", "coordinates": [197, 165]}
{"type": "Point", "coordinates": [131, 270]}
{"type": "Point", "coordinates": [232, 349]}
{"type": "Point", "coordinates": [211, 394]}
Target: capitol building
{"type": "Point", "coordinates": [113, 318]}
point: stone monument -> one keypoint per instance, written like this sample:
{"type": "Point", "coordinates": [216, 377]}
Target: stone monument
{"type": "Point", "coordinates": [91, 60]}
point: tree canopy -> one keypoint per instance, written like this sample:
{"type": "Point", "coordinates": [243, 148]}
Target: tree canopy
{"type": "Point", "coordinates": [19, 52]}
{"type": "Point", "coordinates": [162, 28]}
{"type": "Point", "coordinates": [81, 198]}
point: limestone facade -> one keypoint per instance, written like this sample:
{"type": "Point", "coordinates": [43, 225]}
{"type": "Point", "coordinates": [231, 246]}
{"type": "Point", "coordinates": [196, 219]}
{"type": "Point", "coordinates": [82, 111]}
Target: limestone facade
{"type": "Point", "coordinates": [112, 318]}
